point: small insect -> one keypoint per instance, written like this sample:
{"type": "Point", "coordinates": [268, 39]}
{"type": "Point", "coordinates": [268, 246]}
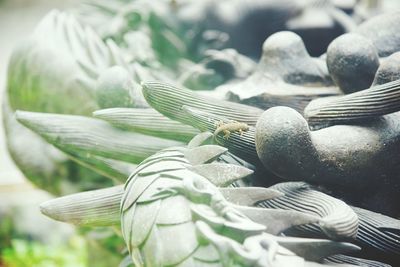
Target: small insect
{"type": "Point", "coordinates": [229, 127]}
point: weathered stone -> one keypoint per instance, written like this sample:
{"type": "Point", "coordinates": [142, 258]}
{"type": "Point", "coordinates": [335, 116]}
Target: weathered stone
{"type": "Point", "coordinates": [352, 62]}
{"type": "Point", "coordinates": [383, 31]}
{"type": "Point", "coordinates": [389, 70]}
{"type": "Point", "coordinates": [286, 75]}
{"type": "Point", "coordinates": [356, 107]}
{"type": "Point", "coordinates": [285, 55]}
{"type": "Point", "coordinates": [360, 158]}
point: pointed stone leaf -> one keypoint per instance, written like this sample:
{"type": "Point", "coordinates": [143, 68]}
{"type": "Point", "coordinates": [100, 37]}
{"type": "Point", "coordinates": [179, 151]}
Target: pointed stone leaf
{"type": "Point", "coordinates": [82, 134]}
{"type": "Point", "coordinates": [200, 139]}
{"type": "Point", "coordinates": [164, 165]}
{"type": "Point", "coordinates": [174, 210]}
{"type": "Point", "coordinates": [114, 169]}
{"type": "Point", "coordinates": [386, 232]}
{"type": "Point", "coordinates": [152, 250]}
{"type": "Point", "coordinates": [178, 242]}
{"type": "Point", "coordinates": [315, 249]}
{"type": "Point", "coordinates": [135, 189]}
{"type": "Point", "coordinates": [338, 220]}
{"type": "Point", "coordinates": [204, 154]}
{"type": "Point", "coordinates": [275, 220]}
{"type": "Point", "coordinates": [164, 188]}
{"type": "Point", "coordinates": [206, 254]}
{"type": "Point", "coordinates": [237, 229]}
{"type": "Point", "coordinates": [91, 208]}
{"type": "Point", "coordinates": [143, 221]}
{"type": "Point", "coordinates": [248, 196]}
{"type": "Point", "coordinates": [169, 100]}
{"type": "Point", "coordinates": [352, 261]}
{"type": "Point", "coordinates": [240, 144]}
{"type": "Point", "coordinates": [221, 174]}
{"type": "Point", "coordinates": [126, 226]}
{"type": "Point", "coordinates": [147, 121]}
{"type": "Point", "coordinates": [373, 102]}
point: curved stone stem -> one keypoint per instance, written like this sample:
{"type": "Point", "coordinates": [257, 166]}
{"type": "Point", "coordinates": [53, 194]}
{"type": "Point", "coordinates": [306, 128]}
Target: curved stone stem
{"type": "Point", "coordinates": [373, 102]}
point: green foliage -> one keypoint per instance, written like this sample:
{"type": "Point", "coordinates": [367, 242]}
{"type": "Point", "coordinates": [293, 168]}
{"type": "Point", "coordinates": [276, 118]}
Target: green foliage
{"type": "Point", "coordinates": [166, 43]}
{"type": "Point", "coordinates": [34, 254]}
{"type": "Point", "coordinates": [6, 230]}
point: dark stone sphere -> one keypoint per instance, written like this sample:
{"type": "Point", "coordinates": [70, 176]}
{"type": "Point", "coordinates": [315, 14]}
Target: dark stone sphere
{"type": "Point", "coordinates": [352, 62]}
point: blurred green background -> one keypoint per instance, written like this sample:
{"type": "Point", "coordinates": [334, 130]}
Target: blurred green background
{"type": "Point", "coordinates": [28, 238]}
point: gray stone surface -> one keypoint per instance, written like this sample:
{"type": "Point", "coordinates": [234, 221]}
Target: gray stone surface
{"type": "Point", "coordinates": [383, 31]}
{"type": "Point", "coordinates": [286, 75]}
{"type": "Point", "coordinates": [389, 70]}
{"type": "Point", "coordinates": [357, 158]}
{"type": "Point", "coordinates": [352, 62]}
{"type": "Point", "coordinates": [285, 55]}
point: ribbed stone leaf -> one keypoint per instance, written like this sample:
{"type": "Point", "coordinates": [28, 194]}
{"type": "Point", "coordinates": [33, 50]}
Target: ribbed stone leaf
{"type": "Point", "coordinates": [147, 121]}
{"type": "Point", "coordinates": [242, 145]}
{"type": "Point", "coordinates": [338, 220]}
{"type": "Point", "coordinates": [169, 100]}
{"type": "Point", "coordinates": [86, 135]}
{"type": "Point", "coordinates": [344, 259]}
{"type": "Point", "coordinates": [379, 232]}
{"type": "Point", "coordinates": [176, 217]}
{"type": "Point", "coordinates": [369, 103]}
{"type": "Point", "coordinates": [115, 169]}
{"type": "Point", "coordinates": [92, 208]}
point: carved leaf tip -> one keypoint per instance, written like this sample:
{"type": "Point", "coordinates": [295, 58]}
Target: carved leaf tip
{"type": "Point", "coordinates": [221, 174]}
{"type": "Point", "coordinates": [91, 208]}
{"type": "Point", "coordinates": [204, 154]}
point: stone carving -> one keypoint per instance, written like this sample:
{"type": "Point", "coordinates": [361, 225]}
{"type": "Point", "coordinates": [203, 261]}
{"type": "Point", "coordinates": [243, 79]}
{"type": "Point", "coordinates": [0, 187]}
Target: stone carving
{"type": "Point", "coordinates": [173, 215]}
{"type": "Point", "coordinates": [388, 70]}
{"type": "Point", "coordinates": [327, 156]}
{"type": "Point", "coordinates": [310, 143]}
{"type": "Point", "coordinates": [352, 61]}
{"type": "Point", "coordinates": [286, 75]}
{"type": "Point", "coordinates": [381, 30]}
